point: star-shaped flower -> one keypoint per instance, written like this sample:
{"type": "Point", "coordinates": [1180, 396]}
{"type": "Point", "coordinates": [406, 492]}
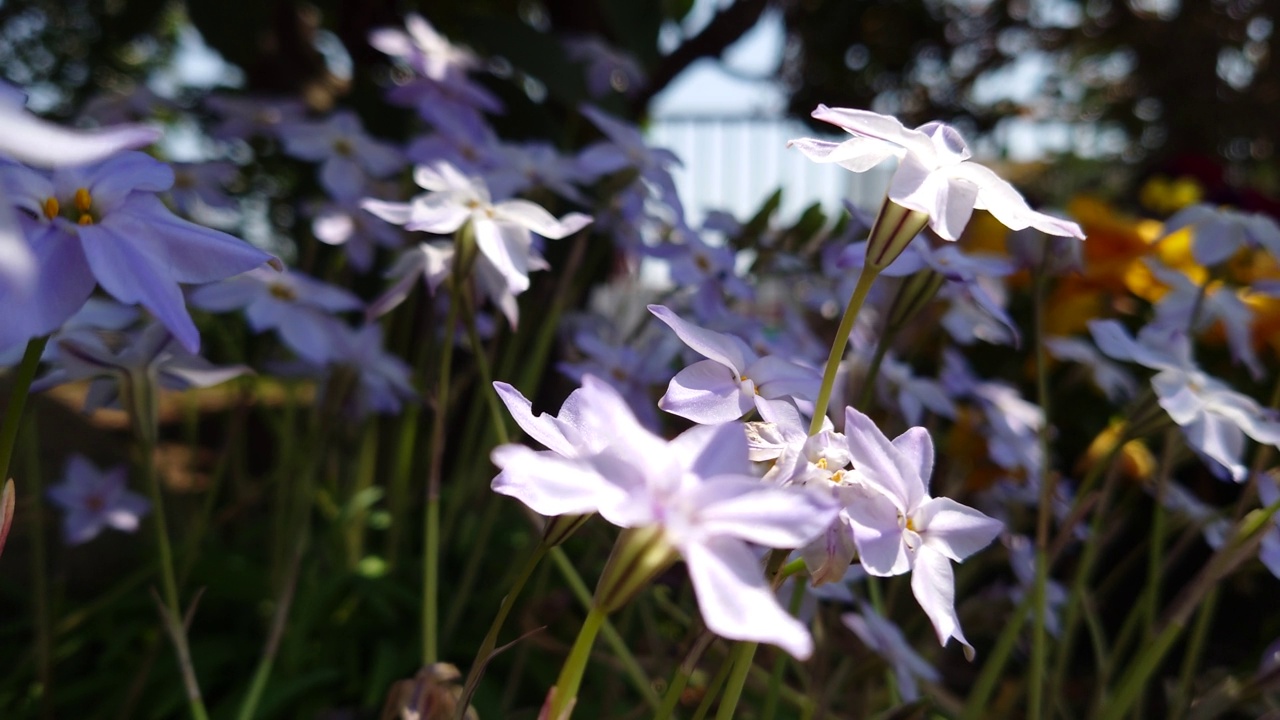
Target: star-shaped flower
{"type": "Point", "coordinates": [93, 500]}
{"type": "Point", "coordinates": [899, 528]}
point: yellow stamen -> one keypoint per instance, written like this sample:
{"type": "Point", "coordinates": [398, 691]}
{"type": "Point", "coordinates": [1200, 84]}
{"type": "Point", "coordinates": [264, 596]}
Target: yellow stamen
{"type": "Point", "coordinates": [84, 200]}
{"type": "Point", "coordinates": [283, 292]}
{"type": "Point", "coordinates": [85, 219]}
{"type": "Point", "coordinates": [822, 463]}
{"type": "Point", "coordinates": [51, 208]}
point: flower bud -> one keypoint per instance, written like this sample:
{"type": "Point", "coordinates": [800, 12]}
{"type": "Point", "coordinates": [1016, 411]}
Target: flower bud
{"type": "Point", "coordinates": [638, 556]}
{"type": "Point", "coordinates": [7, 503]}
{"type": "Point", "coordinates": [913, 295]}
{"type": "Point", "coordinates": [894, 229]}
{"type": "Point", "coordinates": [559, 528]}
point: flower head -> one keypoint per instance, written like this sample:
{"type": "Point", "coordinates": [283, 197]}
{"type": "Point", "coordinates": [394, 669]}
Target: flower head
{"type": "Point", "coordinates": [693, 495]}
{"type": "Point", "coordinates": [935, 175]}
{"type": "Point", "coordinates": [93, 499]}
{"type": "Point", "coordinates": [103, 225]}
{"type": "Point", "coordinates": [899, 528]}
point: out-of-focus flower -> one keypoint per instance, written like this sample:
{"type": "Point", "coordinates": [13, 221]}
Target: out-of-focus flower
{"type": "Point", "coordinates": [1188, 306]}
{"type": "Point", "coordinates": [1214, 418]}
{"type": "Point", "coordinates": [1221, 232]}
{"type": "Point", "coordinates": [1022, 559]}
{"type": "Point", "coordinates": [732, 380]}
{"type": "Point", "coordinates": [357, 230]}
{"type": "Point", "coordinates": [383, 383]}
{"type": "Point", "coordinates": [244, 117]}
{"type": "Point", "coordinates": [627, 149]}
{"type": "Point", "coordinates": [197, 185]}
{"type": "Point", "coordinates": [349, 155]}
{"type": "Point", "coordinates": [503, 231]}
{"type": "Point", "coordinates": [423, 49]}
{"type": "Point", "coordinates": [913, 394]}
{"type": "Point", "coordinates": [103, 224]}
{"type": "Point", "coordinates": [296, 306]}
{"type": "Point", "coordinates": [28, 139]}
{"type": "Point", "coordinates": [608, 69]}
{"type": "Point", "coordinates": [1114, 381]}
{"type": "Point", "coordinates": [887, 641]}
{"type": "Point", "coordinates": [93, 500]}
{"type": "Point", "coordinates": [693, 495]}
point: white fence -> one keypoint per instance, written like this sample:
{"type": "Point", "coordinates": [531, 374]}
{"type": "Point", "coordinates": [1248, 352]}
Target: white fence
{"type": "Point", "coordinates": [735, 163]}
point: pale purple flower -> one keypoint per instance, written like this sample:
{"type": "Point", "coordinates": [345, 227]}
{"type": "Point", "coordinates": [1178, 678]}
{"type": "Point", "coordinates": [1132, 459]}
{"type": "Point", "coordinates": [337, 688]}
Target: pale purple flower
{"type": "Point", "coordinates": [1022, 559]}
{"type": "Point", "coordinates": [732, 380]}
{"type": "Point", "coordinates": [244, 117]}
{"type": "Point", "coordinates": [93, 500]}
{"type": "Point", "coordinates": [887, 641]}
{"type": "Point", "coordinates": [203, 185]}
{"type": "Point", "coordinates": [103, 225]}
{"type": "Point", "coordinates": [1221, 231]}
{"type": "Point", "coordinates": [632, 369]}
{"type": "Point", "coordinates": [1052, 254]}
{"type": "Point", "coordinates": [899, 528]}
{"type": "Point", "coordinates": [383, 381]}
{"type": "Point", "coordinates": [934, 175]}
{"type": "Point", "coordinates": [1217, 303]}
{"type": "Point", "coordinates": [433, 263]}
{"type": "Point", "coordinates": [349, 155]}
{"type": "Point", "coordinates": [608, 69]}
{"type": "Point", "coordinates": [912, 394]}
{"type": "Point", "coordinates": [1269, 550]}
{"type": "Point", "coordinates": [503, 231]}
{"type": "Point", "coordinates": [424, 49]}
{"type": "Point", "coordinates": [524, 167]}
{"type": "Point", "coordinates": [1214, 418]}
{"type": "Point", "coordinates": [1214, 526]}
{"type": "Point", "coordinates": [698, 489]}
{"type": "Point", "coordinates": [442, 92]}
{"type": "Point", "coordinates": [298, 307]}
{"type": "Point", "coordinates": [626, 149]}
{"type": "Point", "coordinates": [28, 139]}
{"type": "Point", "coordinates": [357, 230]}
{"type": "Point", "coordinates": [108, 359]}
{"type": "Point", "coordinates": [1114, 381]}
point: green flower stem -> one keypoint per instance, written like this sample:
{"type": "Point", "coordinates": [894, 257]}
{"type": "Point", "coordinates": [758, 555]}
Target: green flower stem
{"type": "Point", "coordinates": [742, 658]}
{"type": "Point", "coordinates": [838, 344]}
{"type": "Point", "coordinates": [172, 606]}
{"type": "Point", "coordinates": [431, 540]}
{"type": "Point", "coordinates": [18, 401]}
{"type": "Point", "coordinates": [993, 668]}
{"type": "Point", "coordinates": [680, 680]}
{"type": "Point", "coordinates": [1037, 675]}
{"type": "Point", "coordinates": [713, 689]}
{"type": "Point", "coordinates": [566, 689]}
{"type": "Point", "coordinates": [780, 662]}
{"type": "Point", "coordinates": [1191, 659]}
{"type": "Point", "coordinates": [635, 673]}
{"type": "Point", "coordinates": [491, 638]}
{"type": "Point", "coordinates": [39, 571]}
{"type": "Point", "coordinates": [1071, 617]}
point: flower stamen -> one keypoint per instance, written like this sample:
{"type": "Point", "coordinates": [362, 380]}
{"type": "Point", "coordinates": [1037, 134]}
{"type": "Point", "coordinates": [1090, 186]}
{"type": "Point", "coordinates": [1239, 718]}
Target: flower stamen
{"type": "Point", "coordinates": [51, 208]}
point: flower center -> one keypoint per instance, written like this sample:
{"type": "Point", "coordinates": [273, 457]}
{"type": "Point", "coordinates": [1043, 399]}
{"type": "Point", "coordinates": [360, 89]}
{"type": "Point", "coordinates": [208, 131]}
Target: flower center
{"type": "Point", "coordinates": [280, 291]}
{"type": "Point", "coordinates": [95, 503]}
{"type": "Point", "coordinates": [822, 463]}
{"type": "Point", "coordinates": [702, 262]}
{"type": "Point", "coordinates": [342, 146]}
{"type": "Point", "coordinates": [81, 209]}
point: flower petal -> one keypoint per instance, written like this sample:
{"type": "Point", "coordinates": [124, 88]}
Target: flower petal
{"type": "Point", "coordinates": [957, 531]}
{"type": "Point", "coordinates": [727, 350]}
{"type": "Point", "coordinates": [736, 602]}
{"type": "Point", "coordinates": [706, 392]}
{"type": "Point", "coordinates": [748, 509]}
{"type": "Point", "coordinates": [552, 485]}
{"type": "Point", "coordinates": [933, 584]}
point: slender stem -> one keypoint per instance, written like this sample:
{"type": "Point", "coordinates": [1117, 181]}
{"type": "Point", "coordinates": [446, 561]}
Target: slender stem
{"type": "Point", "coordinates": [838, 344]}
{"type": "Point", "coordinates": [616, 644]}
{"type": "Point", "coordinates": [873, 370]}
{"type": "Point", "coordinates": [743, 656]}
{"type": "Point", "coordinates": [172, 606]}
{"type": "Point", "coordinates": [18, 401]}
{"type": "Point", "coordinates": [278, 622]}
{"type": "Point", "coordinates": [1191, 659]}
{"type": "Point", "coordinates": [482, 368]}
{"type": "Point", "coordinates": [39, 572]}
{"type": "Point", "coordinates": [566, 690]}
{"type": "Point", "coordinates": [713, 689]}
{"type": "Point", "coordinates": [780, 662]}
{"type": "Point", "coordinates": [993, 669]}
{"type": "Point", "coordinates": [680, 680]}
{"type": "Point", "coordinates": [491, 638]}
{"type": "Point", "coordinates": [431, 540]}
{"type": "Point", "coordinates": [1039, 637]}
